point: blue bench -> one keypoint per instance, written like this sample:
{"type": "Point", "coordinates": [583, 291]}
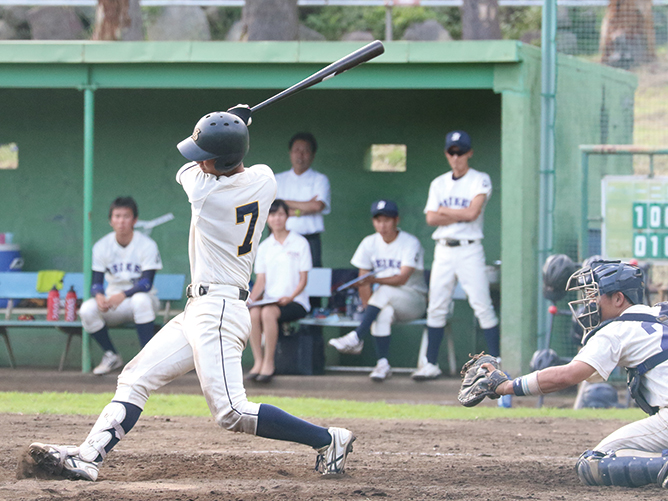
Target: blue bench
{"type": "Point", "coordinates": [17, 286]}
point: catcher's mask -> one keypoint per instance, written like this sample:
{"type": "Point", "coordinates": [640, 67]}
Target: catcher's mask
{"type": "Point", "coordinates": [603, 277]}
{"type": "Point", "coordinates": [219, 135]}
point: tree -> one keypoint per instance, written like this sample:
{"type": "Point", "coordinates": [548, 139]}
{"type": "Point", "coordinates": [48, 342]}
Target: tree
{"type": "Point", "coordinates": [627, 33]}
{"type": "Point", "coordinates": [270, 20]}
{"type": "Point", "coordinates": [480, 20]}
{"type": "Point", "coordinates": [118, 20]}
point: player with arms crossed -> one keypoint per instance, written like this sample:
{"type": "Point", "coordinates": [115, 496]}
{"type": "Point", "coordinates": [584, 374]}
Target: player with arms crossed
{"type": "Point", "coordinates": [619, 331]}
{"type": "Point", "coordinates": [456, 205]}
{"type": "Point", "coordinates": [128, 260]}
{"type": "Point", "coordinates": [229, 205]}
{"type": "Point", "coordinates": [398, 260]}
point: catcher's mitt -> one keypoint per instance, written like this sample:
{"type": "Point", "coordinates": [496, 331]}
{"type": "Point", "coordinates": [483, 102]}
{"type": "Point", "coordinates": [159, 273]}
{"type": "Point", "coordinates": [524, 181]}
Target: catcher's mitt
{"type": "Point", "coordinates": [478, 382]}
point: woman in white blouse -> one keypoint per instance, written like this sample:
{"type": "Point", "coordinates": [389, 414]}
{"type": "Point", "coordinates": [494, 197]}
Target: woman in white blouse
{"type": "Point", "coordinates": [281, 269]}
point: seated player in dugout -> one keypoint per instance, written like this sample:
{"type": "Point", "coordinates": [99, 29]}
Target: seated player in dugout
{"type": "Point", "coordinates": [399, 292]}
{"type": "Point", "coordinates": [619, 331]}
{"type": "Point", "coordinates": [128, 260]}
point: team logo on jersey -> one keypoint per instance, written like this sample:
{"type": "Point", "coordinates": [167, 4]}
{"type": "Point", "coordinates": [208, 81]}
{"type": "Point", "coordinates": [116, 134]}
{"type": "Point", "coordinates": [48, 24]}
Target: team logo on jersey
{"type": "Point", "coordinates": [196, 134]}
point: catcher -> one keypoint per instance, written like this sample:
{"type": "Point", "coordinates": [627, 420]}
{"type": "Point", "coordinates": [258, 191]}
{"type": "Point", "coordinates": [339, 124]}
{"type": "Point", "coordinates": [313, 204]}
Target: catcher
{"type": "Point", "coordinates": [618, 331]}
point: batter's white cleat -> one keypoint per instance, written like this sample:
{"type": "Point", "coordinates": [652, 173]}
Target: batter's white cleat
{"type": "Point", "coordinates": [427, 371]}
{"type": "Point", "coordinates": [63, 461]}
{"type": "Point", "coordinates": [349, 344]}
{"type": "Point", "coordinates": [382, 371]}
{"type": "Point", "coordinates": [331, 459]}
{"type": "Point", "coordinates": [110, 361]}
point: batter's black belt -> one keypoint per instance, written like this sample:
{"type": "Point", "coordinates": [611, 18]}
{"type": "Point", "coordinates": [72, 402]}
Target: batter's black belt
{"type": "Point", "coordinates": [197, 290]}
{"type": "Point", "coordinates": [456, 243]}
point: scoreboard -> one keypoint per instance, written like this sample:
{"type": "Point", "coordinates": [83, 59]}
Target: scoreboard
{"type": "Point", "coordinates": [635, 217]}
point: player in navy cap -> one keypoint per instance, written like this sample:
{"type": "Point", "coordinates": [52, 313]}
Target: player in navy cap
{"type": "Point", "coordinates": [395, 289]}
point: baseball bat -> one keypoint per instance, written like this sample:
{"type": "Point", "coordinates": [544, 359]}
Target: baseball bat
{"type": "Point", "coordinates": [336, 68]}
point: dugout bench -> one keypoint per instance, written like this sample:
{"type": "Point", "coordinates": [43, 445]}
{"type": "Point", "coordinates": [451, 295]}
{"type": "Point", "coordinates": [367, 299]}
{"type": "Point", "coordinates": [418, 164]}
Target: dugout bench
{"type": "Point", "coordinates": [17, 286]}
{"type": "Point", "coordinates": [298, 353]}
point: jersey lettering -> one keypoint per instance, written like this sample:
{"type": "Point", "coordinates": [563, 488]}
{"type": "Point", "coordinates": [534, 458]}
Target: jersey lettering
{"type": "Point", "coordinates": [653, 328]}
{"type": "Point", "coordinates": [386, 263]}
{"type": "Point", "coordinates": [456, 202]}
{"type": "Point", "coordinates": [252, 209]}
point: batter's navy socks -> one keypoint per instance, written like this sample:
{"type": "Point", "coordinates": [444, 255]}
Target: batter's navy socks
{"type": "Point", "coordinates": [102, 338]}
{"type": "Point", "coordinates": [370, 315]}
{"type": "Point", "coordinates": [275, 423]}
{"type": "Point", "coordinates": [145, 332]}
{"type": "Point", "coordinates": [435, 336]}
{"type": "Point", "coordinates": [493, 340]}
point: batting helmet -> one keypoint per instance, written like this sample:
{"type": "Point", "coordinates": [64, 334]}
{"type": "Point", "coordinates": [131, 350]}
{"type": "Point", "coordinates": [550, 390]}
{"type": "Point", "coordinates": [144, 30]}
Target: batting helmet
{"type": "Point", "coordinates": [219, 135]}
{"type": "Point", "coordinates": [605, 277]}
{"type": "Point", "coordinates": [556, 271]}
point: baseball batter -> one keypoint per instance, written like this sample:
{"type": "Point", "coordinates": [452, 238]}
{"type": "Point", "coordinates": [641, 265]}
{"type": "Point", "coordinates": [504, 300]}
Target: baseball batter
{"type": "Point", "coordinates": [456, 206]}
{"type": "Point", "coordinates": [229, 209]}
{"type": "Point", "coordinates": [127, 260]}
{"type": "Point", "coordinates": [397, 260]}
{"type": "Point", "coordinates": [619, 331]}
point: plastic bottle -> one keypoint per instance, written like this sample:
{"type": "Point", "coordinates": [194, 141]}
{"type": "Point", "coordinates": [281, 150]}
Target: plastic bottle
{"type": "Point", "coordinates": [71, 305]}
{"type": "Point", "coordinates": [53, 304]}
{"type": "Point", "coordinates": [350, 303]}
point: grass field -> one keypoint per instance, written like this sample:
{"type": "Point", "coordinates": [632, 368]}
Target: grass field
{"type": "Point", "coordinates": [195, 406]}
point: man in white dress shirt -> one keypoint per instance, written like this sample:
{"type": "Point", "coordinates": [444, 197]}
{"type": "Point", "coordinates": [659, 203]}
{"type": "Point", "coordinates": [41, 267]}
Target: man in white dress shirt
{"type": "Point", "coordinates": [307, 193]}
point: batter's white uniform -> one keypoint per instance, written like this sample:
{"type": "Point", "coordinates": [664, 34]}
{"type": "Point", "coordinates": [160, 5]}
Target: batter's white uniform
{"type": "Point", "coordinates": [628, 344]}
{"type": "Point", "coordinates": [465, 262]}
{"type": "Point", "coordinates": [122, 267]}
{"type": "Point", "coordinates": [228, 216]}
{"type": "Point", "coordinates": [396, 303]}
{"type": "Point", "coordinates": [281, 263]}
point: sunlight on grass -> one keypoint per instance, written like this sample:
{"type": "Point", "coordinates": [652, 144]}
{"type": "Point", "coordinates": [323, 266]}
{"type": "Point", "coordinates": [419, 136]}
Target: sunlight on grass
{"type": "Point", "coordinates": [195, 405]}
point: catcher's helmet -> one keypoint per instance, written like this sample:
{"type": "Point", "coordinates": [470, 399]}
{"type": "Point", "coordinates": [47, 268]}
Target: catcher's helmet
{"type": "Point", "coordinates": [556, 271]}
{"type": "Point", "coordinates": [219, 135]}
{"type": "Point", "coordinates": [605, 277]}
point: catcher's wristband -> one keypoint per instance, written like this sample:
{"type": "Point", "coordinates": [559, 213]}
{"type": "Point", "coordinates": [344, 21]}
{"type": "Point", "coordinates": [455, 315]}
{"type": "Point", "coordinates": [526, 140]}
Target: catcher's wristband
{"type": "Point", "coordinates": [525, 386]}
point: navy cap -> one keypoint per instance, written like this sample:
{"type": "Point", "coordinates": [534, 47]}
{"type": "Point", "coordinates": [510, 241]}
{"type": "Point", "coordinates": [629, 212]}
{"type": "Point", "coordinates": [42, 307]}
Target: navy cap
{"type": "Point", "coordinates": [458, 138]}
{"type": "Point", "coordinates": [385, 208]}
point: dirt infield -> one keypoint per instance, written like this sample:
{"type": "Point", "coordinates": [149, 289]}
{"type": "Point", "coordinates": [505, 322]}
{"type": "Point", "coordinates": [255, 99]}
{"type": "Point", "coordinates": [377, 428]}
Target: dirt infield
{"type": "Point", "coordinates": [183, 459]}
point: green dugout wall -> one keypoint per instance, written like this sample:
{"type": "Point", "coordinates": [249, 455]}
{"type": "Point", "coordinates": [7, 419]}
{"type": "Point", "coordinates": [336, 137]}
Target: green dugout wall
{"type": "Point", "coordinates": [146, 96]}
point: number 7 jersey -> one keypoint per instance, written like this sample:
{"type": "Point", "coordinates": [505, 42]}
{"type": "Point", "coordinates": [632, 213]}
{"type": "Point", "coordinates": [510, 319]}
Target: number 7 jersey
{"type": "Point", "coordinates": [228, 216]}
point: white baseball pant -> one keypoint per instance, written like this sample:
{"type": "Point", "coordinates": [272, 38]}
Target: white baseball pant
{"type": "Point", "coordinates": [396, 304]}
{"type": "Point", "coordinates": [209, 336]}
{"type": "Point", "coordinates": [140, 308]}
{"type": "Point", "coordinates": [649, 434]}
{"type": "Point", "coordinates": [466, 264]}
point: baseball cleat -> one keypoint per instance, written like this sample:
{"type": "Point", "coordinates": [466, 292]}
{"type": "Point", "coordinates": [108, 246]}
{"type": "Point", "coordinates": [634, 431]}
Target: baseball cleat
{"type": "Point", "coordinates": [427, 371]}
{"type": "Point", "coordinates": [331, 459]}
{"type": "Point", "coordinates": [349, 344]}
{"type": "Point", "coordinates": [662, 478]}
{"type": "Point", "coordinates": [110, 361]}
{"type": "Point", "coordinates": [63, 461]}
{"type": "Point", "coordinates": [382, 371]}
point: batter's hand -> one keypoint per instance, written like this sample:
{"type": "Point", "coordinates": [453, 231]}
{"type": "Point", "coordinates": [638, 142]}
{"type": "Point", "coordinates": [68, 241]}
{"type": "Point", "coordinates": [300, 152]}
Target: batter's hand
{"type": "Point", "coordinates": [116, 299]}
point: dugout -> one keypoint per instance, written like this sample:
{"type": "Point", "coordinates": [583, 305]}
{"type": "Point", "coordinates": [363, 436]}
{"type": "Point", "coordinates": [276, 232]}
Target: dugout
{"type": "Point", "coordinates": [138, 99]}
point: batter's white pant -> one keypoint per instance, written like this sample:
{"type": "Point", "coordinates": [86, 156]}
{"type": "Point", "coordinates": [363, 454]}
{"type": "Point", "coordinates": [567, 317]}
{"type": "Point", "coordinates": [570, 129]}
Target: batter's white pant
{"type": "Point", "coordinates": [649, 434]}
{"type": "Point", "coordinates": [209, 336]}
{"type": "Point", "coordinates": [396, 304]}
{"type": "Point", "coordinates": [140, 308]}
{"type": "Point", "coordinates": [466, 264]}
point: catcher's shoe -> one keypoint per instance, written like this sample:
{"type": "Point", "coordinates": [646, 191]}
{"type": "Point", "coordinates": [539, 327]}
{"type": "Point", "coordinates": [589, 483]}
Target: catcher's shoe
{"type": "Point", "coordinates": [662, 478]}
{"type": "Point", "coordinates": [427, 371]}
{"type": "Point", "coordinates": [332, 458]}
{"type": "Point", "coordinates": [382, 371]}
{"type": "Point", "coordinates": [349, 344]}
{"type": "Point", "coordinates": [109, 362]}
{"type": "Point", "coordinates": [63, 461]}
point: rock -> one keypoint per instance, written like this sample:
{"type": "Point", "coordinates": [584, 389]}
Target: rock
{"type": "Point", "coordinates": [7, 31]}
{"type": "Point", "coordinates": [429, 30]}
{"type": "Point", "coordinates": [179, 23]}
{"type": "Point", "coordinates": [358, 36]}
{"type": "Point", "coordinates": [55, 23]}
{"type": "Point", "coordinates": [306, 33]}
